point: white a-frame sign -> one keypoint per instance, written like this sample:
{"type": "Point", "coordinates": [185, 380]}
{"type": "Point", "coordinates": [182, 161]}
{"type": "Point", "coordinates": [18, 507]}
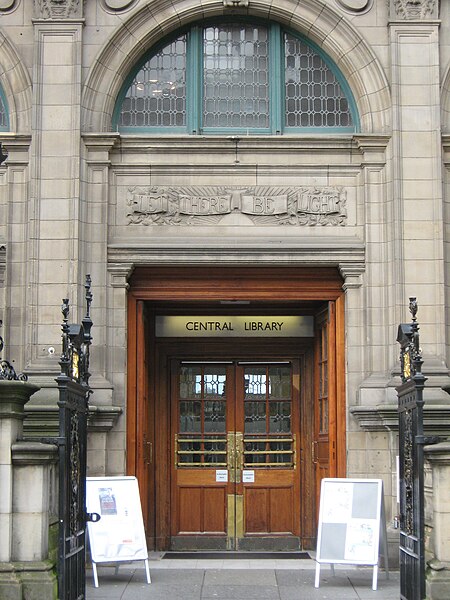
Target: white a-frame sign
{"type": "Point", "coordinates": [352, 525]}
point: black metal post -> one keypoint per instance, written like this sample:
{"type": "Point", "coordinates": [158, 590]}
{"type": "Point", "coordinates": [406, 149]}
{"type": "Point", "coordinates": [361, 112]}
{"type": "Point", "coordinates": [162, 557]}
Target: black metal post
{"type": "Point", "coordinates": [74, 392]}
{"type": "Point", "coordinates": [411, 442]}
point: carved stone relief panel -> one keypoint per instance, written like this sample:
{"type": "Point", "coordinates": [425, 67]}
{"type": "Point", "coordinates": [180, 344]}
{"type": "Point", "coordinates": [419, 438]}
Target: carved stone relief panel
{"type": "Point", "coordinates": [213, 205]}
{"type": "Point", "coordinates": [414, 9]}
{"type": "Point", "coordinates": [58, 9]}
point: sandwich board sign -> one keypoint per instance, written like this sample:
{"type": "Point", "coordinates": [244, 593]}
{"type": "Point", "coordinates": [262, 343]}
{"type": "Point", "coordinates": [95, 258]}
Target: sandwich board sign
{"type": "Point", "coordinates": [352, 524]}
{"type": "Point", "coordinates": [119, 535]}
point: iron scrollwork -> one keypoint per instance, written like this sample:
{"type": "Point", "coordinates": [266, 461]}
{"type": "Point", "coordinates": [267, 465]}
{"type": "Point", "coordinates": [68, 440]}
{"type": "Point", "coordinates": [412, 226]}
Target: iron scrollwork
{"type": "Point", "coordinates": [7, 371]}
{"type": "Point", "coordinates": [408, 472]}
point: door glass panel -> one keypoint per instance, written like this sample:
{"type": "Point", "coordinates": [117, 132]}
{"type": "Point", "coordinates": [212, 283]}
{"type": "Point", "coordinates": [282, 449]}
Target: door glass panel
{"type": "Point", "coordinates": [201, 438]}
{"type": "Point", "coordinates": [268, 439]}
{"type": "Point", "coordinates": [255, 400]}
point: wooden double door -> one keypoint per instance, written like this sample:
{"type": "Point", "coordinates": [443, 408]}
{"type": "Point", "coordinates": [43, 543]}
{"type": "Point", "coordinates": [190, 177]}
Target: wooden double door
{"type": "Point", "coordinates": [235, 428]}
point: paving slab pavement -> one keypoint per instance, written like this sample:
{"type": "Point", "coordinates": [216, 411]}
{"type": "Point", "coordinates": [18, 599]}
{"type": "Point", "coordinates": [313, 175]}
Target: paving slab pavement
{"type": "Point", "coordinates": [238, 579]}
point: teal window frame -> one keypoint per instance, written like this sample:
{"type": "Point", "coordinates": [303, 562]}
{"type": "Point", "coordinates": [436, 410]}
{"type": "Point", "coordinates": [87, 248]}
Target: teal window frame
{"type": "Point", "coordinates": [194, 86]}
{"type": "Point", "coordinates": [4, 109]}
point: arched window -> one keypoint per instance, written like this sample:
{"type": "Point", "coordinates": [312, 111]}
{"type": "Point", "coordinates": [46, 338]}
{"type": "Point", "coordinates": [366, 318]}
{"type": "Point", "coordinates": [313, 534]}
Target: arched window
{"type": "Point", "coordinates": [236, 77]}
{"type": "Point", "coordinates": [4, 121]}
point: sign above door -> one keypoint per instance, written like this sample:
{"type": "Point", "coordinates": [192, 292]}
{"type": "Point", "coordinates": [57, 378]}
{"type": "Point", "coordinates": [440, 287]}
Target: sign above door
{"type": "Point", "coordinates": [234, 326]}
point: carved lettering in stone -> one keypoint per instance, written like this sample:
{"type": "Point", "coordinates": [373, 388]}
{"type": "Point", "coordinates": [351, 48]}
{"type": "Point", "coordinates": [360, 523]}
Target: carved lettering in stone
{"type": "Point", "coordinates": [414, 9]}
{"type": "Point", "coordinates": [57, 9]}
{"type": "Point", "coordinates": [263, 205]}
{"type": "Point", "coordinates": [204, 205]}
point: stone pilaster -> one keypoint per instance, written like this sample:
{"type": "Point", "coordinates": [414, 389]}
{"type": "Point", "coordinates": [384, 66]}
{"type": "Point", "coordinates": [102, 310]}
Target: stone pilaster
{"type": "Point", "coordinates": [56, 270]}
{"type": "Point", "coordinates": [417, 170]}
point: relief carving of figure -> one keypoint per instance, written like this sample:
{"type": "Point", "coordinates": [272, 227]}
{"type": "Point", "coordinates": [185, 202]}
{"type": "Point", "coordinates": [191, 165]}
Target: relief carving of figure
{"type": "Point", "coordinates": [415, 9]}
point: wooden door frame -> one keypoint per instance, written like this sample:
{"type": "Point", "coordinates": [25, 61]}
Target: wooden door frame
{"type": "Point", "coordinates": [175, 285]}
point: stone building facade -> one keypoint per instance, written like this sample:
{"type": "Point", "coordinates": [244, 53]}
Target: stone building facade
{"type": "Point", "coordinates": [216, 160]}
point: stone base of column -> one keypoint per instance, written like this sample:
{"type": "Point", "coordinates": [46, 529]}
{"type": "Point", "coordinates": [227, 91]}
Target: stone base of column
{"type": "Point", "coordinates": [30, 580]}
{"type": "Point", "coordinates": [10, 584]}
{"type": "Point", "coordinates": [438, 581]}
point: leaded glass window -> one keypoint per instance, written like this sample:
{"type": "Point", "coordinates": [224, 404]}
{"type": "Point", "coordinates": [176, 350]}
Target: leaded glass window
{"type": "Point", "coordinates": [314, 97]}
{"type": "Point", "coordinates": [157, 94]}
{"type": "Point", "coordinates": [241, 77]}
{"type": "Point", "coordinates": [3, 114]}
{"type": "Point", "coordinates": [235, 76]}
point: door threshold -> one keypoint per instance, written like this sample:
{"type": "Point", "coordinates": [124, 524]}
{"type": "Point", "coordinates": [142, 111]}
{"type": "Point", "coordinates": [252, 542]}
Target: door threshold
{"type": "Point", "coordinates": [226, 555]}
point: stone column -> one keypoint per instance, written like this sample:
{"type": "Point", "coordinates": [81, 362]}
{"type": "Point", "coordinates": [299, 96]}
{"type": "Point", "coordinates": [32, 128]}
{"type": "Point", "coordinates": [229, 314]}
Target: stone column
{"type": "Point", "coordinates": [13, 396]}
{"type": "Point", "coordinates": [34, 501]}
{"type": "Point", "coordinates": [438, 572]}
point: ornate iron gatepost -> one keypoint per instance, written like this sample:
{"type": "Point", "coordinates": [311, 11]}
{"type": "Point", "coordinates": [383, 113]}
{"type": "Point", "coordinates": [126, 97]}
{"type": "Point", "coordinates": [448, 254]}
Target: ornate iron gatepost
{"type": "Point", "coordinates": [411, 442]}
{"type": "Point", "coordinates": [74, 392]}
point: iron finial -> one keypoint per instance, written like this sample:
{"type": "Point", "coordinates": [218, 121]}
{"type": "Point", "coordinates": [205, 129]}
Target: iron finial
{"type": "Point", "coordinates": [413, 306]}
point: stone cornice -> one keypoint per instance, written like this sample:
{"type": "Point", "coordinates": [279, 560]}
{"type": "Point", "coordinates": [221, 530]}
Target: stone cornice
{"type": "Point", "coordinates": [385, 417]}
{"type": "Point", "coordinates": [187, 144]}
{"type": "Point", "coordinates": [326, 252]}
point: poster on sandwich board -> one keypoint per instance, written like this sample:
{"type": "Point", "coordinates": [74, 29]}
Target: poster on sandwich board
{"type": "Point", "coordinates": [119, 535]}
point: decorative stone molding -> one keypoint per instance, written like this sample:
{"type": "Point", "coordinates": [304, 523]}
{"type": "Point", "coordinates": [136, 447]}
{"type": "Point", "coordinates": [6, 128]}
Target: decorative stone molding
{"type": "Point", "coordinates": [6, 5]}
{"type": "Point", "coordinates": [115, 6]}
{"type": "Point", "coordinates": [263, 205]}
{"type": "Point", "coordinates": [236, 3]}
{"type": "Point", "coordinates": [414, 9]}
{"type": "Point", "coordinates": [58, 9]}
{"type": "Point", "coordinates": [351, 274]}
{"type": "Point", "coordinates": [355, 6]}
{"type": "Point", "coordinates": [120, 275]}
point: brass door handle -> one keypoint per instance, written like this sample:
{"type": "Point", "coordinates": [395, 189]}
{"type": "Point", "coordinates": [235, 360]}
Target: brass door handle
{"type": "Point", "coordinates": [239, 454]}
{"type": "Point", "coordinates": [148, 452]}
{"type": "Point", "coordinates": [231, 456]}
{"type": "Point", "coordinates": [313, 452]}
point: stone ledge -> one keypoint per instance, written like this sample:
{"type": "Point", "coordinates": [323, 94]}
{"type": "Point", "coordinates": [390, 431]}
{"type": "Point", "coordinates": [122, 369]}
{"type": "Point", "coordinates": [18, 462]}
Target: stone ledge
{"type": "Point", "coordinates": [436, 418]}
{"type": "Point", "coordinates": [33, 453]}
{"type": "Point", "coordinates": [43, 420]}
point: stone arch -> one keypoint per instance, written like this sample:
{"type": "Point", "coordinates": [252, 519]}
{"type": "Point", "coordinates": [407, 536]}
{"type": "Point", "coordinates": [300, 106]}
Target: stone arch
{"type": "Point", "coordinates": [16, 84]}
{"type": "Point", "coordinates": [314, 19]}
{"type": "Point", "coordinates": [445, 102]}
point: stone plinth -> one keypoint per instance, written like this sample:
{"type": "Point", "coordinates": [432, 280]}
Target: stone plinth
{"type": "Point", "coordinates": [438, 571]}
